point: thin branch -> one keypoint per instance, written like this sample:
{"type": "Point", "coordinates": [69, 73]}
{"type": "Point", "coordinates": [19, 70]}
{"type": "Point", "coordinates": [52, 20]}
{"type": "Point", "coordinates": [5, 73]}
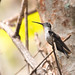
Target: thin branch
{"type": "Point", "coordinates": [36, 54]}
{"type": "Point", "coordinates": [41, 62]}
{"type": "Point", "coordinates": [38, 42]}
{"type": "Point", "coordinates": [14, 18]}
{"type": "Point", "coordinates": [20, 69]}
{"type": "Point", "coordinates": [23, 50]}
{"type": "Point", "coordinates": [26, 25]}
{"type": "Point", "coordinates": [33, 11]}
{"type": "Point", "coordinates": [39, 51]}
{"type": "Point", "coordinates": [20, 19]}
{"type": "Point", "coordinates": [66, 38]}
{"type": "Point", "coordinates": [26, 29]}
{"type": "Point", "coordinates": [56, 58]}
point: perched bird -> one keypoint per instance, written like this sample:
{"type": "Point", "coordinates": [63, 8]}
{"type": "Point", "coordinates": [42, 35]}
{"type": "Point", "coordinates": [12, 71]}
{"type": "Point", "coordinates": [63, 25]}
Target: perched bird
{"type": "Point", "coordinates": [50, 35]}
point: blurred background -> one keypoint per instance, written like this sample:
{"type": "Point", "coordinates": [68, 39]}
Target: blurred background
{"type": "Point", "coordinates": [11, 60]}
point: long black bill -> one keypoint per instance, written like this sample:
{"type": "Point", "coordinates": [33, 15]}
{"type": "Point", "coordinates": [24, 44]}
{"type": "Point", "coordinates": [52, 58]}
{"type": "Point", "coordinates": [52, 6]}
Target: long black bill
{"type": "Point", "coordinates": [37, 22]}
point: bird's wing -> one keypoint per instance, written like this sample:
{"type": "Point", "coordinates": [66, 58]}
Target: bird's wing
{"type": "Point", "coordinates": [57, 38]}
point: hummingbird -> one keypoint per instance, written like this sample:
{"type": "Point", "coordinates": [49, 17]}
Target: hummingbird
{"type": "Point", "coordinates": [50, 35]}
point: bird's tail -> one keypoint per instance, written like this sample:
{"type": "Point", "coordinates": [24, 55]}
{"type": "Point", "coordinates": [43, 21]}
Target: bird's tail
{"type": "Point", "coordinates": [68, 51]}
{"type": "Point", "coordinates": [66, 54]}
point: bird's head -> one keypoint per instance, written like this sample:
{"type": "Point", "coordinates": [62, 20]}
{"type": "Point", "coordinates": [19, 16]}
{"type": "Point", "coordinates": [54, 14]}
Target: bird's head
{"type": "Point", "coordinates": [47, 24]}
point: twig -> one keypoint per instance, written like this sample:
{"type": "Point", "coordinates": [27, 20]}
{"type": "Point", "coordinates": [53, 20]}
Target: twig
{"type": "Point", "coordinates": [26, 25]}
{"type": "Point", "coordinates": [20, 69]}
{"type": "Point", "coordinates": [11, 21]}
{"type": "Point", "coordinates": [14, 18]}
{"type": "Point", "coordinates": [23, 50]}
{"type": "Point", "coordinates": [33, 11]}
{"type": "Point", "coordinates": [38, 42]}
{"type": "Point", "coordinates": [56, 58]}
{"type": "Point", "coordinates": [39, 51]}
{"type": "Point", "coordinates": [42, 54]}
{"type": "Point", "coordinates": [41, 62]}
{"type": "Point", "coordinates": [20, 19]}
{"type": "Point", "coordinates": [66, 38]}
{"type": "Point", "coordinates": [26, 29]}
{"type": "Point", "coordinates": [36, 54]}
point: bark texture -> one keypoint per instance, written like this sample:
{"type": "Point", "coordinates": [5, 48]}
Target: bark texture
{"type": "Point", "coordinates": [61, 14]}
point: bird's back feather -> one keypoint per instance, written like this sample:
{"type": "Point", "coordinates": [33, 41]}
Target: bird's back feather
{"type": "Point", "coordinates": [59, 43]}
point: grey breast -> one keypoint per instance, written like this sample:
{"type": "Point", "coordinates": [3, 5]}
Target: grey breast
{"type": "Point", "coordinates": [47, 35]}
{"type": "Point", "coordinates": [48, 38]}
